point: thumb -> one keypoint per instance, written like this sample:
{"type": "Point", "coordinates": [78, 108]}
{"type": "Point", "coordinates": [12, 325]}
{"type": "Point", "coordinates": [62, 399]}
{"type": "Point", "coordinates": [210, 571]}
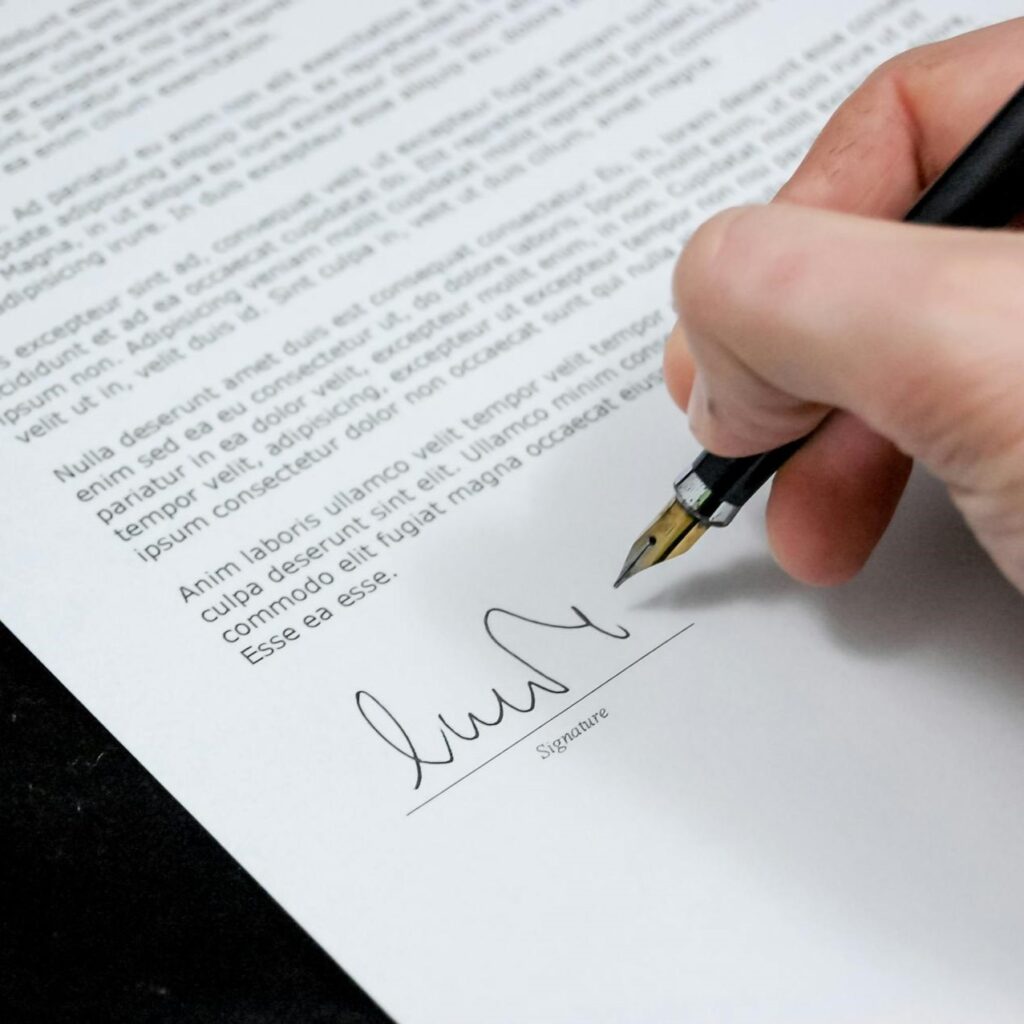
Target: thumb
{"type": "Point", "coordinates": [789, 312]}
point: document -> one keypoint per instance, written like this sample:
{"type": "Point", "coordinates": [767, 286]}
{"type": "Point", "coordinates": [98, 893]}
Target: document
{"type": "Point", "coordinates": [330, 401]}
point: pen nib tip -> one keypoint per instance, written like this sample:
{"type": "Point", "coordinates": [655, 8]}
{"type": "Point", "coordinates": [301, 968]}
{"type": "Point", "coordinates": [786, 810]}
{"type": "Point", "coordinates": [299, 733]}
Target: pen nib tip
{"type": "Point", "coordinates": [672, 533]}
{"type": "Point", "coordinates": [634, 561]}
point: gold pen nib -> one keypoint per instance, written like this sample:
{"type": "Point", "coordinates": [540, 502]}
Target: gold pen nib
{"type": "Point", "coordinates": [673, 533]}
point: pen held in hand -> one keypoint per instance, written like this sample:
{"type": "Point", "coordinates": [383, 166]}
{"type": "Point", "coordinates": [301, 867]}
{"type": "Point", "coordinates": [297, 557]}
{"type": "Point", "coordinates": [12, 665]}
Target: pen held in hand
{"type": "Point", "coordinates": [982, 188]}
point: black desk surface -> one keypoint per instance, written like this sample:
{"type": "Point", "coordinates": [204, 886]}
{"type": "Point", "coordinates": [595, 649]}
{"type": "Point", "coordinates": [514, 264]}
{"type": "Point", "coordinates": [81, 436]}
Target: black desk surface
{"type": "Point", "coordinates": [115, 905]}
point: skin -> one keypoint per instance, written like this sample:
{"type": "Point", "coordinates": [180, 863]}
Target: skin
{"type": "Point", "coordinates": [897, 342]}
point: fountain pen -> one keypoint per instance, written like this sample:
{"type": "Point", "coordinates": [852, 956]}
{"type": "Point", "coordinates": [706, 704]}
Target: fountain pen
{"type": "Point", "coordinates": [982, 188]}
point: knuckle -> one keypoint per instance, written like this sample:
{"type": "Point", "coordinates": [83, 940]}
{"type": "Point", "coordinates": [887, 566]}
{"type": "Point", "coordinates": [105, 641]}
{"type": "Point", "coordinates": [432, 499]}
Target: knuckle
{"type": "Point", "coordinates": [889, 74]}
{"type": "Point", "coordinates": [894, 72]}
{"type": "Point", "coordinates": [879, 101]}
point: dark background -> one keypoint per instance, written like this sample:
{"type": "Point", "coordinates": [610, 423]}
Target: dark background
{"type": "Point", "coordinates": [115, 905]}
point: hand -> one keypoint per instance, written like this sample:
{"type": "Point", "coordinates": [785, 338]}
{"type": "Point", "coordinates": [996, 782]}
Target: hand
{"type": "Point", "coordinates": [909, 339]}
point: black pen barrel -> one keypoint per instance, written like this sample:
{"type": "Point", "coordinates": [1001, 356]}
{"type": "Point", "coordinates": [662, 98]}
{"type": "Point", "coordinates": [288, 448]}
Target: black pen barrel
{"type": "Point", "coordinates": [984, 186]}
{"type": "Point", "coordinates": [734, 481]}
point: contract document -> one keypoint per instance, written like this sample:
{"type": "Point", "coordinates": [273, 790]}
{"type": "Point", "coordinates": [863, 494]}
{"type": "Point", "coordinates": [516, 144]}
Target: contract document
{"type": "Point", "coordinates": [330, 401]}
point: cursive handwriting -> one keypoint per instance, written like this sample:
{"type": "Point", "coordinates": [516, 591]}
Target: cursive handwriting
{"type": "Point", "coordinates": [387, 726]}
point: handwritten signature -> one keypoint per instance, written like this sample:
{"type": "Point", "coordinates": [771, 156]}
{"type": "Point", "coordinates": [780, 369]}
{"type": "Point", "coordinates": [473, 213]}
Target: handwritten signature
{"type": "Point", "coordinates": [387, 726]}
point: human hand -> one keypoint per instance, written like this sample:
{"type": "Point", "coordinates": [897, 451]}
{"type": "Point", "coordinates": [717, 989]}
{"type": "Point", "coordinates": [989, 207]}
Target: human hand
{"type": "Point", "coordinates": [909, 339]}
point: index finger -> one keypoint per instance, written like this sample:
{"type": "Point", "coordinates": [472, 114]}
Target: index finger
{"type": "Point", "coordinates": [908, 122]}
{"type": "Point", "coordinates": [893, 136]}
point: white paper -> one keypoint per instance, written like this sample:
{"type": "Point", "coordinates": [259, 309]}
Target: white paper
{"type": "Point", "coordinates": [423, 250]}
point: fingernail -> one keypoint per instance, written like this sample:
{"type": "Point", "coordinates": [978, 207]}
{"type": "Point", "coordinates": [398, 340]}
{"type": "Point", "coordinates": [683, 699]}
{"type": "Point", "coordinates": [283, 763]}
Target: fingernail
{"type": "Point", "coordinates": [698, 410]}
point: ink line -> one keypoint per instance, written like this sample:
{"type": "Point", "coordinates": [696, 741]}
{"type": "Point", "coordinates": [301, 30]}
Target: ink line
{"type": "Point", "coordinates": [557, 714]}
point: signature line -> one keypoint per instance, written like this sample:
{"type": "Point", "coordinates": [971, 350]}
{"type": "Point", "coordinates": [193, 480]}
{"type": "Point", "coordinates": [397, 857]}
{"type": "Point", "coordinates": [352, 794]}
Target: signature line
{"type": "Point", "coordinates": [568, 707]}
